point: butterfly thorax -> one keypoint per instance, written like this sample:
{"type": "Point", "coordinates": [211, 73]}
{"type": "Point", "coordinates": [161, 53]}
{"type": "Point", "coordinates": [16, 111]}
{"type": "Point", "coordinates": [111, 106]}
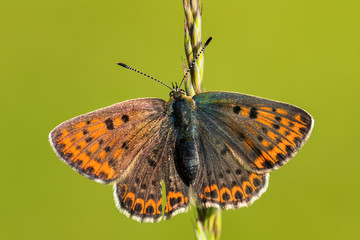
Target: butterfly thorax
{"type": "Point", "coordinates": [181, 112]}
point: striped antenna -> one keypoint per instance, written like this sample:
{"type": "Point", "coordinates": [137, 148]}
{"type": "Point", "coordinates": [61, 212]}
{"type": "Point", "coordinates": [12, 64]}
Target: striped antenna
{"type": "Point", "coordinates": [128, 67]}
{"type": "Point", "coordinates": [197, 56]}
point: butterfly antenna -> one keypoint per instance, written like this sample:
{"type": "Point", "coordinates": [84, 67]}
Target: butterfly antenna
{"type": "Point", "coordinates": [197, 56]}
{"type": "Point", "coordinates": [128, 67]}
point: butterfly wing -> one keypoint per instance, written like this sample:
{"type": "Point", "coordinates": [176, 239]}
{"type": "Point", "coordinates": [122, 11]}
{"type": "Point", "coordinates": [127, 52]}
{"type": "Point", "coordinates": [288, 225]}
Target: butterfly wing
{"type": "Point", "coordinates": [139, 194]}
{"type": "Point", "coordinates": [222, 181]}
{"type": "Point", "coordinates": [128, 143]}
{"type": "Point", "coordinates": [261, 134]}
{"type": "Point", "coordinates": [241, 139]}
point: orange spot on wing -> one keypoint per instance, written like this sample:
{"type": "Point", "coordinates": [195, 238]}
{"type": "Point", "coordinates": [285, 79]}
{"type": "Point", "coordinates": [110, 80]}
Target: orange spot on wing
{"type": "Point", "coordinates": [271, 135]}
{"type": "Point", "coordinates": [282, 147]}
{"type": "Point", "coordinates": [298, 118]}
{"type": "Point", "coordinates": [245, 111]}
{"type": "Point", "coordinates": [252, 177]}
{"type": "Point", "coordinates": [99, 132]}
{"type": "Point", "coordinates": [260, 160]}
{"type": "Point", "coordinates": [78, 135]}
{"type": "Point", "coordinates": [102, 154]}
{"type": "Point", "coordinates": [107, 169]}
{"type": "Point", "coordinates": [151, 203]}
{"type": "Point", "coordinates": [118, 153]}
{"type": "Point", "coordinates": [237, 189]}
{"type": "Point", "coordinates": [64, 133]}
{"type": "Point", "coordinates": [85, 158]}
{"type": "Point", "coordinates": [129, 195]}
{"type": "Point", "coordinates": [285, 121]}
{"type": "Point", "coordinates": [268, 115]}
{"type": "Point", "coordinates": [208, 189]}
{"type": "Point", "coordinates": [266, 108]}
{"type": "Point", "coordinates": [247, 184]}
{"type": "Point", "coordinates": [282, 130]}
{"type": "Point", "coordinates": [94, 147]}
{"type": "Point", "coordinates": [273, 154]}
{"type": "Point", "coordinates": [225, 190]}
{"type": "Point", "coordinates": [265, 143]}
{"type": "Point", "coordinates": [74, 152]}
{"type": "Point", "coordinates": [249, 144]}
{"type": "Point", "coordinates": [264, 120]}
{"type": "Point", "coordinates": [66, 141]}
{"type": "Point", "coordinates": [174, 195]}
{"type": "Point", "coordinates": [297, 127]}
{"type": "Point", "coordinates": [265, 156]}
{"type": "Point", "coordinates": [94, 164]}
{"type": "Point", "coordinates": [281, 111]}
{"type": "Point", "coordinates": [158, 205]}
{"type": "Point", "coordinates": [96, 126]}
{"type": "Point", "coordinates": [80, 125]}
{"type": "Point", "coordinates": [118, 122]}
{"type": "Point", "coordinates": [141, 202]}
{"type": "Point", "coordinates": [82, 144]}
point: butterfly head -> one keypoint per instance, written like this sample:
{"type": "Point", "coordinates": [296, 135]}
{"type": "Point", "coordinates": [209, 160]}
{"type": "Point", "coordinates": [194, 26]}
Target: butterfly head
{"type": "Point", "coordinates": [177, 93]}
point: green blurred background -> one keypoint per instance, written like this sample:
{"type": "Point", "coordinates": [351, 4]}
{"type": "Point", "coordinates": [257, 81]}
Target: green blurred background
{"type": "Point", "coordinates": [58, 61]}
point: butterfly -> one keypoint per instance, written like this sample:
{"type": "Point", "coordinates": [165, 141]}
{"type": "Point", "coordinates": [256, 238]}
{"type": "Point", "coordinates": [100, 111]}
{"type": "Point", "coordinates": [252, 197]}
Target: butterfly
{"type": "Point", "coordinates": [214, 149]}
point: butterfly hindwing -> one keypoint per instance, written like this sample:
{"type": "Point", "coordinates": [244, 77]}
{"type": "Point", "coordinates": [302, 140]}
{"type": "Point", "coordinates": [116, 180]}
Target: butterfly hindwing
{"type": "Point", "coordinates": [222, 181]}
{"type": "Point", "coordinates": [261, 134]}
{"type": "Point", "coordinates": [139, 193]}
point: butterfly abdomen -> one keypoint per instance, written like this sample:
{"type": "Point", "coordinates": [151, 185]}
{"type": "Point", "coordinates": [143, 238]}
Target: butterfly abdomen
{"type": "Point", "coordinates": [186, 154]}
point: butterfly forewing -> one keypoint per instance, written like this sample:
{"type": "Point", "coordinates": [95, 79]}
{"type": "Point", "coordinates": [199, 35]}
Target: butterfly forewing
{"type": "Point", "coordinates": [261, 134]}
{"type": "Point", "coordinates": [97, 144]}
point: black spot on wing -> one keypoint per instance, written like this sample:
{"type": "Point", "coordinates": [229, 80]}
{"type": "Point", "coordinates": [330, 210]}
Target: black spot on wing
{"type": "Point", "coordinates": [248, 190]}
{"type": "Point", "coordinates": [109, 124]}
{"type": "Point", "coordinates": [236, 109]}
{"type": "Point", "coordinates": [225, 196]}
{"type": "Point", "coordinates": [149, 210]}
{"type": "Point", "coordinates": [124, 145]}
{"type": "Point", "coordinates": [125, 118]}
{"type": "Point", "coordinates": [107, 149]}
{"type": "Point", "coordinates": [242, 136]}
{"type": "Point", "coordinates": [253, 113]}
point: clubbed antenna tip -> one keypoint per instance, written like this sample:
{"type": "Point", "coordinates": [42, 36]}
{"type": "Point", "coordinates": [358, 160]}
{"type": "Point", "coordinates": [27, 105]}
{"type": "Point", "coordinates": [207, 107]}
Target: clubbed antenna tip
{"type": "Point", "coordinates": [128, 67]}
{"type": "Point", "coordinates": [123, 65]}
{"type": "Point", "coordinates": [208, 41]}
